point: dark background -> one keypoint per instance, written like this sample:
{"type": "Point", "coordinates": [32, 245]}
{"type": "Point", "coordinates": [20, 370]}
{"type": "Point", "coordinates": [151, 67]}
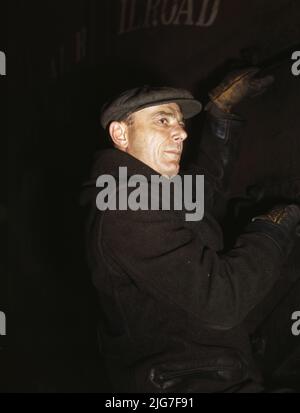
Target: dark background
{"type": "Point", "coordinates": [64, 59]}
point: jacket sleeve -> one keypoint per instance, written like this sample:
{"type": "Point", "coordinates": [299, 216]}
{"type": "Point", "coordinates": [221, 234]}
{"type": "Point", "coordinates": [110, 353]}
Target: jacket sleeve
{"type": "Point", "coordinates": [218, 151]}
{"type": "Point", "coordinates": [166, 257]}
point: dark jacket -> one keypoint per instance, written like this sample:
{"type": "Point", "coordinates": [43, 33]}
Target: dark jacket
{"type": "Point", "coordinates": [171, 304]}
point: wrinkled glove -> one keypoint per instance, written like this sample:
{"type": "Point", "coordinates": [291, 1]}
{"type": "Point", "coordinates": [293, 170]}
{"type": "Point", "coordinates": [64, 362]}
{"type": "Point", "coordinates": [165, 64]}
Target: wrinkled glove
{"type": "Point", "coordinates": [281, 224]}
{"type": "Point", "coordinates": [237, 86]}
{"type": "Point", "coordinates": [288, 216]}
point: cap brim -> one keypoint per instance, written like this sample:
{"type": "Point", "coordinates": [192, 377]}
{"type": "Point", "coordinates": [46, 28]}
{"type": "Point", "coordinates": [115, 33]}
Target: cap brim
{"type": "Point", "coordinates": [189, 107]}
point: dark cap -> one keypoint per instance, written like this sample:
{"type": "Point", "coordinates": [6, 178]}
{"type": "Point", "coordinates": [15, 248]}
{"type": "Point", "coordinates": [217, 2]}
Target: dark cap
{"type": "Point", "coordinates": [143, 97]}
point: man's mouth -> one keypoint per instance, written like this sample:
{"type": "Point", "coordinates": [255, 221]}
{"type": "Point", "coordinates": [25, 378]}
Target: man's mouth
{"type": "Point", "coordinates": [177, 153]}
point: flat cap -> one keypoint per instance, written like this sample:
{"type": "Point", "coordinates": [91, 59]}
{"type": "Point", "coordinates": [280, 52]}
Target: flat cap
{"type": "Point", "coordinates": [139, 98]}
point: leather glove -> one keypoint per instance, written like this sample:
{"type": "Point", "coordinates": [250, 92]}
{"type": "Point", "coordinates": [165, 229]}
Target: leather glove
{"type": "Point", "coordinates": [281, 224]}
{"type": "Point", "coordinates": [237, 86]}
{"type": "Point", "coordinates": [287, 216]}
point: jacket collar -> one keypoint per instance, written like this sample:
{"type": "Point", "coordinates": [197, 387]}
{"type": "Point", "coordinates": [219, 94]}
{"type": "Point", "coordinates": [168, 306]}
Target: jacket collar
{"type": "Point", "coordinates": [110, 160]}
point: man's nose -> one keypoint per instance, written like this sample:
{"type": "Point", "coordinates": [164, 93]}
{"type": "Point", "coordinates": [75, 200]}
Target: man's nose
{"type": "Point", "coordinates": [179, 133]}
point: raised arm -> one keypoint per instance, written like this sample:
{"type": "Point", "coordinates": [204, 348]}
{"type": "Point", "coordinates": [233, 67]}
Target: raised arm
{"type": "Point", "coordinates": [220, 142]}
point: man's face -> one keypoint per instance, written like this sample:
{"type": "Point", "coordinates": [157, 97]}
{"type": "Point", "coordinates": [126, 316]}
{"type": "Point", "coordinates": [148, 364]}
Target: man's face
{"type": "Point", "coordinates": [156, 137]}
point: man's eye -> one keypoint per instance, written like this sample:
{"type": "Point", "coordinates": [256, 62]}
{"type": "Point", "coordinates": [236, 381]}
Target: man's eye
{"type": "Point", "coordinates": [163, 121]}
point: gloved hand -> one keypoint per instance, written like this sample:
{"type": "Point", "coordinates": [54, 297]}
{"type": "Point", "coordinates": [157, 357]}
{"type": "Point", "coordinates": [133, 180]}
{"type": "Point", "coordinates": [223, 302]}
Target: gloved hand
{"type": "Point", "coordinates": [287, 216]}
{"type": "Point", "coordinates": [281, 223]}
{"type": "Point", "coordinates": [237, 86]}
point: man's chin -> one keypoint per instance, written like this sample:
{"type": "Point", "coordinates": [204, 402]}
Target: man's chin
{"type": "Point", "coordinates": [171, 173]}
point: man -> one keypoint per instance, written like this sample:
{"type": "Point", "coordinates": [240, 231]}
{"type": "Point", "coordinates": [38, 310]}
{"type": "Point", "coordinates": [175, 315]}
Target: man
{"type": "Point", "coordinates": [171, 302]}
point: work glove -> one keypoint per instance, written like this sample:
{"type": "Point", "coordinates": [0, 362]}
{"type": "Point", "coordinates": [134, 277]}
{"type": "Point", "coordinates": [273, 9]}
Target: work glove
{"type": "Point", "coordinates": [281, 223]}
{"type": "Point", "coordinates": [237, 86]}
{"type": "Point", "coordinates": [287, 216]}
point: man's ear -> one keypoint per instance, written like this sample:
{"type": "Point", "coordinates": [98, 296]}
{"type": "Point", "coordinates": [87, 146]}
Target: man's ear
{"type": "Point", "coordinates": [118, 134]}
